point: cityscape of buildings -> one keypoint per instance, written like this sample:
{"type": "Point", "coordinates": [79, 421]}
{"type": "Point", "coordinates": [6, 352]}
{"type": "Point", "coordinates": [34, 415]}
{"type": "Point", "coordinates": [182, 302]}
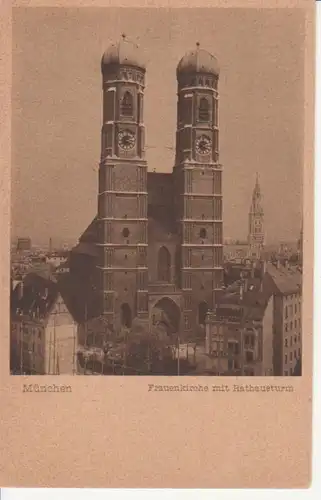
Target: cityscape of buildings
{"type": "Point", "coordinates": [151, 287]}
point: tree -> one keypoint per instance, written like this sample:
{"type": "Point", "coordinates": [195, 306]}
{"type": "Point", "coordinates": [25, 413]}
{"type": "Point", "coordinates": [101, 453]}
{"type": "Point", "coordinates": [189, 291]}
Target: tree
{"type": "Point", "coordinates": [148, 348]}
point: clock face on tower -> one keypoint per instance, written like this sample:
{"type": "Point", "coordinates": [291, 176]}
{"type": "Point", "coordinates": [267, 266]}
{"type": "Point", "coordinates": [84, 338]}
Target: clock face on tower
{"type": "Point", "coordinates": [126, 140]}
{"type": "Point", "coordinates": [203, 145]}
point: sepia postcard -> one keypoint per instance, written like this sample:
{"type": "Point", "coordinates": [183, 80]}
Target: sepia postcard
{"type": "Point", "coordinates": [157, 244]}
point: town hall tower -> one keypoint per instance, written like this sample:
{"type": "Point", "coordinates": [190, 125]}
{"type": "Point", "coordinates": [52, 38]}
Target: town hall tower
{"type": "Point", "coordinates": [256, 223]}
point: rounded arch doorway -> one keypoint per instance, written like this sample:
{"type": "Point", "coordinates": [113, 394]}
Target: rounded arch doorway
{"type": "Point", "coordinates": [167, 313]}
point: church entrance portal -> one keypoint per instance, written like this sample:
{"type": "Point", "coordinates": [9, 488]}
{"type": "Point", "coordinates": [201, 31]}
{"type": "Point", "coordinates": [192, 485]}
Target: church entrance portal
{"type": "Point", "coordinates": [166, 314]}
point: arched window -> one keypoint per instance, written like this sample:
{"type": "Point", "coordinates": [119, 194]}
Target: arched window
{"type": "Point", "coordinates": [126, 315]}
{"type": "Point", "coordinates": [164, 265]}
{"type": "Point", "coordinates": [203, 233]}
{"type": "Point", "coordinates": [203, 111]}
{"type": "Point", "coordinates": [202, 311]}
{"type": "Point", "coordinates": [127, 104]}
{"type": "Point", "coordinates": [125, 232]}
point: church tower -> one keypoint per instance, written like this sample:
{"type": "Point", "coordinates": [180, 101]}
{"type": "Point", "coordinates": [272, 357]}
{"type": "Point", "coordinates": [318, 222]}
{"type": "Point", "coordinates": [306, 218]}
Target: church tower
{"type": "Point", "coordinates": [198, 181]}
{"type": "Point", "coordinates": [122, 198]}
{"type": "Point", "coordinates": [256, 223]}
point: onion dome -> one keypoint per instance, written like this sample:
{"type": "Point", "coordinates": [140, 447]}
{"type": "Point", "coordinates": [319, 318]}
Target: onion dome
{"type": "Point", "coordinates": [123, 53]}
{"type": "Point", "coordinates": [198, 61]}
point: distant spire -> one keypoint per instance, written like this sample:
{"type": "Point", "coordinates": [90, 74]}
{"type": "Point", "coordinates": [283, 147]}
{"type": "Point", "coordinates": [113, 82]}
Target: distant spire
{"type": "Point", "coordinates": [256, 206]}
{"type": "Point", "coordinates": [257, 190]}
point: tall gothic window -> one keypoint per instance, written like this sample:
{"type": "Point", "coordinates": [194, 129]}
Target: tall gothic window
{"type": "Point", "coordinates": [202, 311]}
{"type": "Point", "coordinates": [126, 315]}
{"type": "Point", "coordinates": [204, 111]}
{"type": "Point", "coordinates": [127, 104]}
{"type": "Point", "coordinates": [164, 265]}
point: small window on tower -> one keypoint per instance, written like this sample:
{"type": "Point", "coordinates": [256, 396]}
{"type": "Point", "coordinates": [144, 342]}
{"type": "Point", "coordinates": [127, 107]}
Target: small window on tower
{"type": "Point", "coordinates": [127, 104]}
{"type": "Point", "coordinates": [203, 233]}
{"type": "Point", "coordinates": [203, 112]}
{"type": "Point", "coordinates": [125, 232]}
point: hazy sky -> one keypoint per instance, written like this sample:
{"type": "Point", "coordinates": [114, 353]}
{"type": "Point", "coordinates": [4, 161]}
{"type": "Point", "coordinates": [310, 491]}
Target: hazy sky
{"type": "Point", "coordinates": [57, 104]}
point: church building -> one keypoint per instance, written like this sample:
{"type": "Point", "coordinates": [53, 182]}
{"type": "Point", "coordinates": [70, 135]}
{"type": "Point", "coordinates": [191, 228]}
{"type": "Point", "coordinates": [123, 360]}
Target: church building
{"type": "Point", "coordinates": [155, 248]}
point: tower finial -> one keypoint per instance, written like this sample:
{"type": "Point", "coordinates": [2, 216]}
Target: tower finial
{"type": "Point", "coordinates": [257, 183]}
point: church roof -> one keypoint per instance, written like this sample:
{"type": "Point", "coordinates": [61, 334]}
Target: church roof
{"type": "Point", "coordinates": [125, 52]}
{"type": "Point", "coordinates": [86, 249]}
{"type": "Point", "coordinates": [198, 61]}
{"type": "Point", "coordinates": [87, 241]}
{"type": "Point", "coordinates": [90, 233]}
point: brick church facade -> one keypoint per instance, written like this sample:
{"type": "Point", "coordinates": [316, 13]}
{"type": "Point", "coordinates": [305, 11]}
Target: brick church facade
{"type": "Point", "coordinates": [155, 248]}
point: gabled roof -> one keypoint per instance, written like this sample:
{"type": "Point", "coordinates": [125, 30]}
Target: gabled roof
{"type": "Point", "coordinates": [38, 295]}
{"type": "Point", "coordinates": [250, 305]}
{"type": "Point", "coordinates": [35, 297]}
{"type": "Point", "coordinates": [43, 270]}
{"type": "Point", "coordinates": [287, 280]}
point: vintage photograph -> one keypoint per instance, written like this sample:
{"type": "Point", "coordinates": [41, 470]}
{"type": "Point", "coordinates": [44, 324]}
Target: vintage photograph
{"type": "Point", "coordinates": [156, 199]}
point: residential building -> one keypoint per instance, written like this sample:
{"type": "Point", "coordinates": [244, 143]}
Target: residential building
{"type": "Point", "coordinates": [240, 333]}
{"type": "Point", "coordinates": [286, 284]}
{"type": "Point", "coordinates": [43, 329]}
{"type": "Point", "coordinates": [23, 244]}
